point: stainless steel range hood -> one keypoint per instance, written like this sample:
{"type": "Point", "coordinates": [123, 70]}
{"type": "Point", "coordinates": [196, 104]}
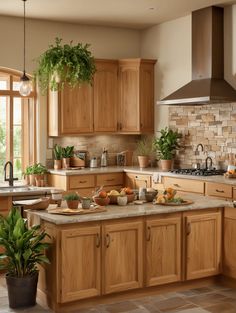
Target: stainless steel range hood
{"type": "Point", "coordinates": [208, 84]}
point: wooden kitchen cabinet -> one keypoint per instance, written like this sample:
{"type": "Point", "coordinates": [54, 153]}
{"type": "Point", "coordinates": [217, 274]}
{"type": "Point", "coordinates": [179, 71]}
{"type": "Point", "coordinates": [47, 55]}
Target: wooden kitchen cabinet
{"type": "Point", "coordinates": [135, 181]}
{"type": "Point", "coordinates": [5, 205]}
{"type": "Point", "coordinates": [136, 96]}
{"type": "Point", "coordinates": [122, 255]}
{"type": "Point", "coordinates": [70, 111]}
{"type": "Point", "coordinates": [187, 185]}
{"type": "Point", "coordinates": [105, 96]}
{"type": "Point", "coordinates": [219, 190]}
{"type": "Point", "coordinates": [203, 234]}
{"type": "Point", "coordinates": [163, 249]}
{"type": "Point", "coordinates": [80, 263]}
{"type": "Point", "coordinates": [229, 252]}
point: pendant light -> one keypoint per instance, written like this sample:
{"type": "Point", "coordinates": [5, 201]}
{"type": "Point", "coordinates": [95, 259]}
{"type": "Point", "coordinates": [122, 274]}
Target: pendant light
{"type": "Point", "coordinates": [25, 83]}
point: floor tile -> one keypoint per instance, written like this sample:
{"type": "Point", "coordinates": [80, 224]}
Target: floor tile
{"type": "Point", "coordinates": [206, 299]}
{"type": "Point", "coordinates": [121, 307]}
{"type": "Point", "coordinates": [171, 304]}
{"type": "Point", "coordinates": [222, 308]}
{"type": "Point", "coordinates": [195, 310]}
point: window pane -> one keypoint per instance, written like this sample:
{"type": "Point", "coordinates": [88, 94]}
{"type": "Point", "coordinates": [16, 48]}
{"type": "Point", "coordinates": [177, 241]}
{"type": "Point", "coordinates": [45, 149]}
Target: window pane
{"type": "Point", "coordinates": [4, 81]}
{"type": "Point", "coordinates": [17, 168]}
{"type": "Point", "coordinates": [3, 135]}
{"type": "Point", "coordinates": [17, 111]}
{"type": "Point", "coordinates": [16, 83]}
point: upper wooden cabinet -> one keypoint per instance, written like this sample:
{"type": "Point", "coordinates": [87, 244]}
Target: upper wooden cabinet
{"type": "Point", "coordinates": [70, 111]}
{"type": "Point", "coordinates": [120, 100]}
{"type": "Point", "coordinates": [136, 96]}
{"type": "Point", "coordinates": [105, 96]}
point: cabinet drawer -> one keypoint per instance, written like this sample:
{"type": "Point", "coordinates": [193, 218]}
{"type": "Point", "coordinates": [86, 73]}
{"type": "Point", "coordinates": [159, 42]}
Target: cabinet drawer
{"type": "Point", "coordinates": [189, 185]}
{"type": "Point", "coordinates": [219, 190]}
{"type": "Point", "coordinates": [81, 181]}
{"type": "Point", "coordinates": [110, 179]}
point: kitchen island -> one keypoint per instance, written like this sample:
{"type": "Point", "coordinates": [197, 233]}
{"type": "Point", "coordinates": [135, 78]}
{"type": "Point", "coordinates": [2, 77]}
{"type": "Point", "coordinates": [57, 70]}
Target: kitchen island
{"type": "Point", "coordinates": [128, 248]}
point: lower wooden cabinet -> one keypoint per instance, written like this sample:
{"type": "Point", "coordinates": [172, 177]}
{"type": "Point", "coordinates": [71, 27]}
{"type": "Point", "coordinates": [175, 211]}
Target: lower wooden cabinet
{"type": "Point", "coordinates": [135, 181]}
{"type": "Point", "coordinates": [229, 252]}
{"type": "Point", "coordinates": [203, 233]}
{"type": "Point", "coordinates": [163, 249]}
{"type": "Point", "coordinates": [123, 256]}
{"type": "Point", "coordinates": [80, 263]}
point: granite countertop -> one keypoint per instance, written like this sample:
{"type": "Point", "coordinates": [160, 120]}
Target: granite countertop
{"type": "Point", "coordinates": [24, 190]}
{"type": "Point", "coordinates": [156, 172]}
{"type": "Point", "coordinates": [134, 210]}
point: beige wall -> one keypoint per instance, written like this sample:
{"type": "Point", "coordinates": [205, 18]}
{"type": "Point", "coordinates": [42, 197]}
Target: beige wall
{"type": "Point", "coordinates": [170, 43]}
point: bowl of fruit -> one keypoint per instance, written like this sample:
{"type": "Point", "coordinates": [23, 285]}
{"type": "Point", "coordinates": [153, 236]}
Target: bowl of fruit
{"type": "Point", "coordinates": [169, 198]}
{"type": "Point", "coordinates": [112, 195]}
{"type": "Point", "coordinates": [127, 191]}
{"type": "Point", "coordinates": [101, 198]}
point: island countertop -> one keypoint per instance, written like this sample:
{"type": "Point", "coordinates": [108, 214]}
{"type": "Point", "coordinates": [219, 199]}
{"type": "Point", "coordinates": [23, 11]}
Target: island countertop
{"type": "Point", "coordinates": [134, 210]}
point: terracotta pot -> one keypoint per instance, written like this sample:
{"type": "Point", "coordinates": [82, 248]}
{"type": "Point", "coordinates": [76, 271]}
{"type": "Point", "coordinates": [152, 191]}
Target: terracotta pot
{"type": "Point", "coordinates": [57, 164]}
{"type": "Point", "coordinates": [72, 204]}
{"type": "Point", "coordinates": [143, 161]}
{"type": "Point", "coordinates": [65, 162]}
{"type": "Point", "coordinates": [166, 165]}
{"type": "Point", "coordinates": [26, 179]}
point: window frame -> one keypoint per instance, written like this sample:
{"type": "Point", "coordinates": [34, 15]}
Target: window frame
{"type": "Point", "coordinates": [28, 124]}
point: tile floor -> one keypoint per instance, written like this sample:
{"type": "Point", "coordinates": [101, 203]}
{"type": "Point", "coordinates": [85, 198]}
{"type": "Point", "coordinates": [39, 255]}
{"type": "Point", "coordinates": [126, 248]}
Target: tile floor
{"type": "Point", "coordinates": [213, 299]}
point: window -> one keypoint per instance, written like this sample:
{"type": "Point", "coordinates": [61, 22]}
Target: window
{"type": "Point", "coordinates": [17, 121]}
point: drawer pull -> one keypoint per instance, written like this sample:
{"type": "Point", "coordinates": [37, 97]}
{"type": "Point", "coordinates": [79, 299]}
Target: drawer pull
{"type": "Point", "coordinates": [83, 181]}
{"type": "Point", "coordinates": [111, 179]}
{"type": "Point", "coordinates": [97, 240]}
{"type": "Point", "coordinates": [177, 185]}
{"type": "Point", "coordinates": [148, 237]}
{"type": "Point", "coordinates": [107, 240]}
{"type": "Point", "coordinates": [221, 191]}
{"type": "Point", "coordinates": [188, 229]}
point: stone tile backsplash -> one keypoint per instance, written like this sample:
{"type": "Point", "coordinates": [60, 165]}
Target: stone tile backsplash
{"type": "Point", "coordinates": [94, 145]}
{"type": "Point", "coordinates": [214, 126]}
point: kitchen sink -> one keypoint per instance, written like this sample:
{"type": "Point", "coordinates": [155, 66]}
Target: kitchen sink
{"type": "Point", "coordinates": [17, 188]}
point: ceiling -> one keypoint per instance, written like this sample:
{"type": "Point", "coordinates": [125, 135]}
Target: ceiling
{"type": "Point", "coordinates": [137, 14]}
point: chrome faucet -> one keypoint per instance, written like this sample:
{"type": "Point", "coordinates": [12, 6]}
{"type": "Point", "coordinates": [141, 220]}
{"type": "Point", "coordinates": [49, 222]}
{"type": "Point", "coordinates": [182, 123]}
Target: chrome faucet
{"type": "Point", "coordinates": [10, 179]}
{"type": "Point", "coordinates": [211, 162]}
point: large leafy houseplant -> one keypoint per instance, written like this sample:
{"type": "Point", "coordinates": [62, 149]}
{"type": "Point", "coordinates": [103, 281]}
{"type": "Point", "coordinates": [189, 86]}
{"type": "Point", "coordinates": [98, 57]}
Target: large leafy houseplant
{"type": "Point", "coordinates": [166, 146]}
{"type": "Point", "coordinates": [23, 250]}
{"type": "Point", "coordinates": [72, 64]}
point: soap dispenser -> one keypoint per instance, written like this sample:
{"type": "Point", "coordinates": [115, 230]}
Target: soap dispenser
{"type": "Point", "coordinates": [104, 158]}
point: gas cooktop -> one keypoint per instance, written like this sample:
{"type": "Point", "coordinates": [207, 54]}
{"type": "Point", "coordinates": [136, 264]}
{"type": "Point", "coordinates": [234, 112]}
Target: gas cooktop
{"type": "Point", "coordinates": [198, 172]}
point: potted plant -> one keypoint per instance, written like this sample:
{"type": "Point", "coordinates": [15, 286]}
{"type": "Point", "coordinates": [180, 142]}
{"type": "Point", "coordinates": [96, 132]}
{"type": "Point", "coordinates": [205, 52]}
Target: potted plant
{"type": "Point", "coordinates": [67, 153]}
{"type": "Point", "coordinates": [38, 171]}
{"type": "Point", "coordinates": [23, 250]}
{"type": "Point", "coordinates": [166, 146]}
{"type": "Point", "coordinates": [144, 151]}
{"type": "Point", "coordinates": [72, 200]}
{"type": "Point", "coordinates": [57, 151]}
{"type": "Point", "coordinates": [71, 64]}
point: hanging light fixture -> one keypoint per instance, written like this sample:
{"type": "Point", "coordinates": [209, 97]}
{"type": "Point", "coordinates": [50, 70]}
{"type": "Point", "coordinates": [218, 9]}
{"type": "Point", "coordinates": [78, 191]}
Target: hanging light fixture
{"type": "Point", "coordinates": [25, 83]}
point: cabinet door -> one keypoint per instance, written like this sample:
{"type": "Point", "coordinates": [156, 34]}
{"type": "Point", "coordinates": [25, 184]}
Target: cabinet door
{"type": "Point", "coordinates": [77, 109]}
{"type": "Point", "coordinates": [135, 181]}
{"type": "Point", "coordinates": [129, 112]}
{"type": "Point", "coordinates": [80, 263]}
{"type": "Point", "coordinates": [203, 245]}
{"type": "Point", "coordinates": [163, 250]}
{"type": "Point", "coordinates": [122, 258]}
{"type": "Point", "coordinates": [147, 97]}
{"type": "Point", "coordinates": [229, 255]}
{"type": "Point", "coordinates": [105, 96]}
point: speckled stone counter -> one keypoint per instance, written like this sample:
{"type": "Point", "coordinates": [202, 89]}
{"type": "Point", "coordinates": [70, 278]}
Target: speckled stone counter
{"type": "Point", "coordinates": [156, 172]}
{"type": "Point", "coordinates": [133, 210]}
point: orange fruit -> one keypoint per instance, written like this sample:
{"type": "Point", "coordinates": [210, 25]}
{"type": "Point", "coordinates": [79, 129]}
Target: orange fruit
{"type": "Point", "coordinates": [102, 194]}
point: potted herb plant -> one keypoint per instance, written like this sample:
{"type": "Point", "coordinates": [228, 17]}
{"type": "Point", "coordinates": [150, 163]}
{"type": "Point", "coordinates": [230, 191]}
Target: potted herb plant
{"type": "Point", "coordinates": [67, 153]}
{"type": "Point", "coordinates": [71, 64]}
{"type": "Point", "coordinates": [36, 174]}
{"type": "Point", "coordinates": [57, 151]}
{"type": "Point", "coordinates": [72, 200]}
{"type": "Point", "coordinates": [166, 146]}
{"type": "Point", "coordinates": [144, 151]}
{"type": "Point", "coordinates": [23, 250]}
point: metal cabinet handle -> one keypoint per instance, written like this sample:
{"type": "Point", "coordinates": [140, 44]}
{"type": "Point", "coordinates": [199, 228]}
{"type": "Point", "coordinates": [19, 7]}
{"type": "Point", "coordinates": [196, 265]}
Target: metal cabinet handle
{"type": "Point", "coordinates": [188, 229]}
{"type": "Point", "coordinates": [120, 126]}
{"type": "Point", "coordinates": [141, 125]}
{"type": "Point", "coordinates": [107, 240]}
{"type": "Point", "coordinates": [221, 191]}
{"type": "Point", "coordinates": [111, 179]}
{"type": "Point", "coordinates": [98, 240]}
{"type": "Point", "coordinates": [82, 181]}
{"type": "Point", "coordinates": [148, 237]}
{"type": "Point", "coordinates": [176, 185]}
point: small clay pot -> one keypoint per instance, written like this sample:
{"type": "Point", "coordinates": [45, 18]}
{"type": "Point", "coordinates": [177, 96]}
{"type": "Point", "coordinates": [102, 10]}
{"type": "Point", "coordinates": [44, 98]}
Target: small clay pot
{"type": "Point", "coordinates": [65, 163]}
{"type": "Point", "coordinates": [166, 165]}
{"type": "Point", "coordinates": [143, 161]}
{"type": "Point", "coordinates": [57, 164]}
{"type": "Point", "coordinates": [72, 204]}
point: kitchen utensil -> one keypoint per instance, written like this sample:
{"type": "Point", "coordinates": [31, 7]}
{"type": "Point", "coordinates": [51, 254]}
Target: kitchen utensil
{"type": "Point", "coordinates": [104, 158]}
{"type": "Point", "coordinates": [141, 193]}
{"type": "Point", "coordinates": [93, 162]}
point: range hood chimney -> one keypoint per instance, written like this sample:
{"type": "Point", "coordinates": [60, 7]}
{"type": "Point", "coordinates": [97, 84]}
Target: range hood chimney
{"type": "Point", "coordinates": [208, 84]}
